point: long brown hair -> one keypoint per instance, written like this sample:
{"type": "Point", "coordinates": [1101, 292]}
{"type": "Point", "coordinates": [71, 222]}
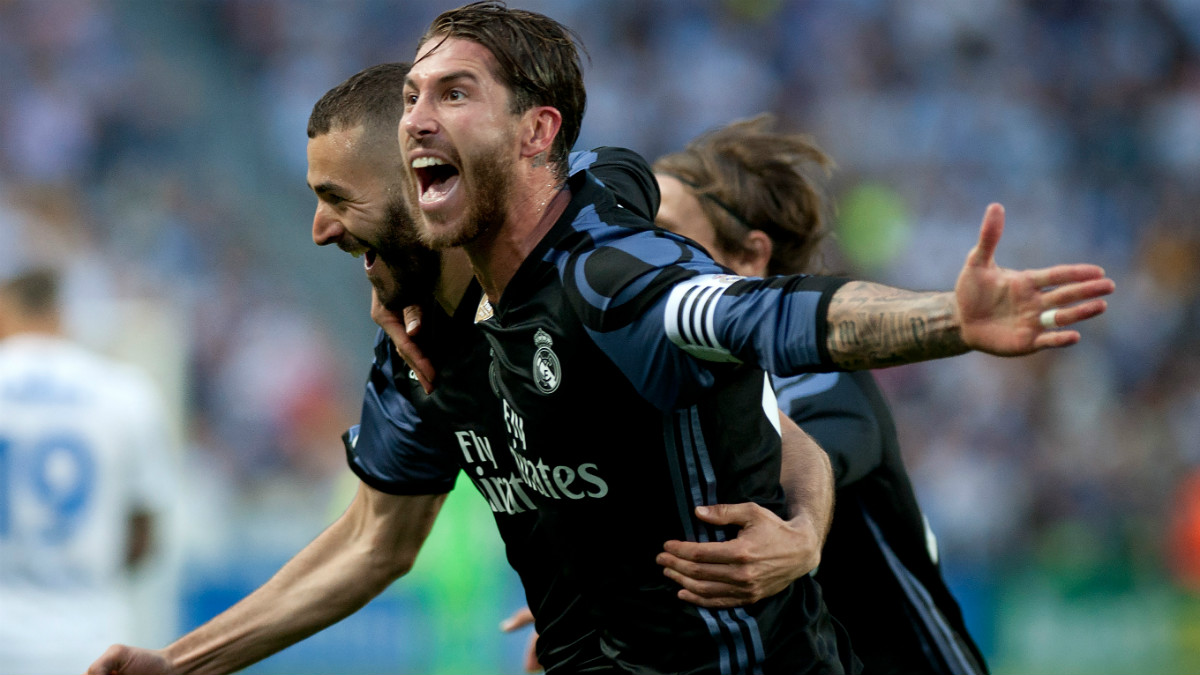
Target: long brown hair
{"type": "Point", "coordinates": [750, 177]}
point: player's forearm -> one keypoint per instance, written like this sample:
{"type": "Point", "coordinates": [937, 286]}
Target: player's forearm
{"type": "Point", "coordinates": [807, 479]}
{"type": "Point", "coordinates": [350, 563]}
{"type": "Point", "coordinates": [874, 326]}
{"type": "Point", "coordinates": [315, 589]}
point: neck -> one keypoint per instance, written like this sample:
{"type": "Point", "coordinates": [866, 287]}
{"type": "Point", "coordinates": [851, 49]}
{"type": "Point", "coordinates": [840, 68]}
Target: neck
{"type": "Point", "coordinates": [453, 279]}
{"type": "Point", "coordinates": [498, 255]}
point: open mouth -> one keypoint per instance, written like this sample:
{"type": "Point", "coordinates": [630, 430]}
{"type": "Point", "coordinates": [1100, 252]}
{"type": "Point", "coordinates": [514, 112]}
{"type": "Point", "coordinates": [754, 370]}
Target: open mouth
{"type": "Point", "coordinates": [358, 251]}
{"type": "Point", "coordinates": [435, 177]}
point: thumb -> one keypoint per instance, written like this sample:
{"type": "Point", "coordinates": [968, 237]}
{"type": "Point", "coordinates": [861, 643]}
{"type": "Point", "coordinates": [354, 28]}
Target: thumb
{"type": "Point", "coordinates": [984, 253]}
{"type": "Point", "coordinates": [727, 514]}
{"type": "Point", "coordinates": [412, 319]}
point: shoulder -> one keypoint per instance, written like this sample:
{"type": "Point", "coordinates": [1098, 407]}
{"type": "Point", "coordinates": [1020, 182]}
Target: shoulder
{"type": "Point", "coordinates": [608, 237]}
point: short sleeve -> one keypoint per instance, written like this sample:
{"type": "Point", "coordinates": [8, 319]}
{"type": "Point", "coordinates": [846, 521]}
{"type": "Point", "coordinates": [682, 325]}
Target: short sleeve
{"type": "Point", "coordinates": [392, 448]}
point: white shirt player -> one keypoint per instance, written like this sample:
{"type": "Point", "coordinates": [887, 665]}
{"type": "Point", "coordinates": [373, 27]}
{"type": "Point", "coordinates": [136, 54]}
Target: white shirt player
{"type": "Point", "coordinates": [83, 445]}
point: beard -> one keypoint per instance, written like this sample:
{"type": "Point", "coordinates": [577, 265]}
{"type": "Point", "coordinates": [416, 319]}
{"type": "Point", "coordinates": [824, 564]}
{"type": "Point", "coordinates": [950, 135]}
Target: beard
{"type": "Point", "coordinates": [411, 269]}
{"type": "Point", "coordinates": [489, 178]}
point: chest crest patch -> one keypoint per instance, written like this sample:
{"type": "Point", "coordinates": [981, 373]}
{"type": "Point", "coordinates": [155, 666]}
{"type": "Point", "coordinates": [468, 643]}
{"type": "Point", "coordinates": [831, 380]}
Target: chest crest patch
{"type": "Point", "coordinates": [547, 372]}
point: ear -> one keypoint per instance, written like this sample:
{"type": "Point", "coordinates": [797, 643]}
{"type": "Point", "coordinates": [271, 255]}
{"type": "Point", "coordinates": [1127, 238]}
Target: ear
{"type": "Point", "coordinates": [755, 256]}
{"type": "Point", "coordinates": [540, 128]}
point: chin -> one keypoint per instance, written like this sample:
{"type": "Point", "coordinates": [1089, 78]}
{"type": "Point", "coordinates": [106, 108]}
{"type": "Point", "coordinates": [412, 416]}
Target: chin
{"type": "Point", "coordinates": [447, 234]}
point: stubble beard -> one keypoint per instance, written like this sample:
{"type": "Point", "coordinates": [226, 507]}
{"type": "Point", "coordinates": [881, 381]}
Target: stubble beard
{"type": "Point", "coordinates": [490, 180]}
{"type": "Point", "coordinates": [413, 268]}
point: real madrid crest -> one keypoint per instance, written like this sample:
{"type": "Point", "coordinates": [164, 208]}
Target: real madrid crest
{"type": "Point", "coordinates": [547, 372]}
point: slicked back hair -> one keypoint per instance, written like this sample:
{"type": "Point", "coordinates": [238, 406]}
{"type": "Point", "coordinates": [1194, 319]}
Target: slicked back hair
{"type": "Point", "coordinates": [750, 177]}
{"type": "Point", "coordinates": [537, 60]}
{"type": "Point", "coordinates": [373, 97]}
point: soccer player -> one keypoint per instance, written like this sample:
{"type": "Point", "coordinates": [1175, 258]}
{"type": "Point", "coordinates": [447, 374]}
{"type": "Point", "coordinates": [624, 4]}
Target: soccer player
{"type": "Point", "coordinates": [391, 449]}
{"type": "Point", "coordinates": [751, 196]}
{"type": "Point", "coordinates": [84, 481]}
{"type": "Point", "coordinates": [409, 446]}
{"type": "Point", "coordinates": [618, 348]}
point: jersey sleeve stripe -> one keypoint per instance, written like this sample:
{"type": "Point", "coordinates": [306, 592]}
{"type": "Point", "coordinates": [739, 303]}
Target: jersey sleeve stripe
{"type": "Point", "coordinates": [680, 325]}
{"type": "Point", "coordinates": [710, 309]}
{"type": "Point", "coordinates": [690, 316]}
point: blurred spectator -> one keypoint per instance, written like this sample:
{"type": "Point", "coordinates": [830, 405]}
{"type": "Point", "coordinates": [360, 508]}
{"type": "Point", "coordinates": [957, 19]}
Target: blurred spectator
{"type": "Point", "coordinates": [85, 480]}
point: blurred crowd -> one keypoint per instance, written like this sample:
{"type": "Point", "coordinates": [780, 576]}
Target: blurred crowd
{"type": "Point", "coordinates": [156, 152]}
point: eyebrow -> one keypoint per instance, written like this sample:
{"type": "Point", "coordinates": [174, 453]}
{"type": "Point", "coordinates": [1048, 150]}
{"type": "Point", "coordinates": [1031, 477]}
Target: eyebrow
{"type": "Point", "coordinates": [444, 79]}
{"type": "Point", "coordinates": [324, 188]}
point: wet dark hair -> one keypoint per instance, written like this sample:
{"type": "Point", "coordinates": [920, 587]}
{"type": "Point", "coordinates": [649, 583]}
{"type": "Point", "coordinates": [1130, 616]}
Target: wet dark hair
{"type": "Point", "coordinates": [537, 59]}
{"type": "Point", "coordinates": [373, 97]}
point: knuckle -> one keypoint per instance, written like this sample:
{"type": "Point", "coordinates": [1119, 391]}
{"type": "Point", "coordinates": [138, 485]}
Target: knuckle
{"type": "Point", "coordinates": [742, 577]}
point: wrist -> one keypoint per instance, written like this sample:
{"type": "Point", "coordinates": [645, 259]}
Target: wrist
{"type": "Point", "coordinates": [807, 532]}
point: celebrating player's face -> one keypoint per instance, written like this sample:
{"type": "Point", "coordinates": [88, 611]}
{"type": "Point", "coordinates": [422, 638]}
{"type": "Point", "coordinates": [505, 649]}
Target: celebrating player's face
{"type": "Point", "coordinates": [361, 209]}
{"type": "Point", "coordinates": [459, 140]}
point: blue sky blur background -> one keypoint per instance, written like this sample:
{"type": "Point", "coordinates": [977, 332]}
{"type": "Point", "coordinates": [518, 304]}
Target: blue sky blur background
{"type": "Point", "coordinates": [155, 150]}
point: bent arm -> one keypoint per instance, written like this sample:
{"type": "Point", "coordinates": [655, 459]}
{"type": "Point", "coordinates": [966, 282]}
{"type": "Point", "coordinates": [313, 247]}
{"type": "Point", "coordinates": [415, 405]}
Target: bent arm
{"type": "Point", "coordinates": [371, 545]}
{"type": "Point", "coordinates": [807, 479]}
{"type": "Point", "coordinates": [769, 553]}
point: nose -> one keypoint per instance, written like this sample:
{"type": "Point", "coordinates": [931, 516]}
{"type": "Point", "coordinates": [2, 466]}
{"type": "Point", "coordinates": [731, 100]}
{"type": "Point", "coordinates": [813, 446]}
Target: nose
{"type": "Point", "coordinates": [418, 120]}
{"type": "Point", "coordinates": [326, 229]}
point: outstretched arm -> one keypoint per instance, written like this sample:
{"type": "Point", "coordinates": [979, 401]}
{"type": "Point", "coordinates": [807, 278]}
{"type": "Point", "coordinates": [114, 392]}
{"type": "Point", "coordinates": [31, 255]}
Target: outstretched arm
{"type": "Point", "coordinates": [372, 544]}
{"type": "Point", "coordinates": [768, 553]}
{"type": "Point", "coordinates": [992, 309]}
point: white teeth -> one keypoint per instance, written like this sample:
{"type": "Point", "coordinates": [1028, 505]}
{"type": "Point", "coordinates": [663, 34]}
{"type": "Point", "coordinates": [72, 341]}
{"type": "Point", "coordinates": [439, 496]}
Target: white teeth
{"type": "Point", "coordinates": [422, 162]}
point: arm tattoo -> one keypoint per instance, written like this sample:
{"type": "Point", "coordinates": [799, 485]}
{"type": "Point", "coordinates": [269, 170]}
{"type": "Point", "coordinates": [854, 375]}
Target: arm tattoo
{"type": "Point", "coordinates": [874, 326]}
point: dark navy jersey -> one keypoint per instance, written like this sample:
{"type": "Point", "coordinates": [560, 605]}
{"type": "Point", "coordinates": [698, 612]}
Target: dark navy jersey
{"type": "Point", "coordinates": [629, 370]}
{"type": "Point", "coordinates": [410, 442]}
{"type": "Point", "coordinates": [879, 570]}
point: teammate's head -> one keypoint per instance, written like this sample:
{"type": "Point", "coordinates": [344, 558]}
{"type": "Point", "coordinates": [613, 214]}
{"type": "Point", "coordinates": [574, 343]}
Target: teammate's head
{"type": "Point", "coordinates": [355, 168]}
{"type": "Point", "coordinates": [493, 105]}
{"type": "Point", "coordinates": [535, 57]}
{"type": "Point", "coordinates": [749, 194]}
{"type": "Point", "coordinates": [372, 97]}
{"type": "Point", "coordinates": [29, 302]}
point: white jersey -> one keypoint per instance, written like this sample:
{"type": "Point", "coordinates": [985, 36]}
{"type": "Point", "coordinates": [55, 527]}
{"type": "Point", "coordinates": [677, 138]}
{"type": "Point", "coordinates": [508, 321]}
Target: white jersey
{"type": "Point", "coordinates": [83, 445]}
